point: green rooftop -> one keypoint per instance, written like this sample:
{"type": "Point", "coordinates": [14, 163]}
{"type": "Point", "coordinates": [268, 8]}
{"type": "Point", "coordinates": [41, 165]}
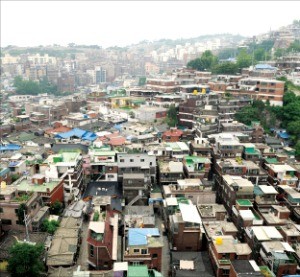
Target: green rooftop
{"type": "Point", "coordinates": [271, 160]}
{"type": "Point", "coordinates": [252, 150]}
{"type": "Point", "coordinates": [137, 271]}
{"type": "Point", "coordinates": [196, 159]}
{"type": "Point", "coordinates": [244, 202]}
{"type": "Point", "coordinates": [26, 185]}
{"type": "Point", "coordinates": [64, 157]}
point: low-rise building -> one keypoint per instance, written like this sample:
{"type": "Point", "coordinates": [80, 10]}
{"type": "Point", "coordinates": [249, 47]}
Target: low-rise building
{"type": "Point", "coordinates": [280, 257]}
{"type": "Point", "coordinates": [169, 172]}
{"type": "Point", "coordinates": [192, 189]}
{"type": "Point", "coordinates": [185, 228]}
{"type": "Point", "coordinates": [102, 239]}
{"type": "Point", "coordinates": [282, 174]}
{"type": "Point", "coordinates": [196, 167]}
{"type": "Point", "coordinates": [144, 246]}
{"type": "Point", "coordinates": [225, 249]}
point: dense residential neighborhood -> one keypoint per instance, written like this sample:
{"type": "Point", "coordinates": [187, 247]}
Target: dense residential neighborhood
{"type": "Point", "coordinates": [145, 163]}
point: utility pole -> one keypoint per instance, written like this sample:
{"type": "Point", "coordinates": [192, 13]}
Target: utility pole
{"type": "Point", "coordinates": [26, 221]}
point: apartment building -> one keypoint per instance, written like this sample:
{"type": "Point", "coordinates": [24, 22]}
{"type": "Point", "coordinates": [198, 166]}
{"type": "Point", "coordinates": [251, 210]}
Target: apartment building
{"type": "Point", "coordinates": [260, 89]}
{"type": "Point", "coordinates": [137, 163]}
{"type": "Point", "coordinates": [66, 166]}
{"type": "Point", "coordinates": [196, 167]}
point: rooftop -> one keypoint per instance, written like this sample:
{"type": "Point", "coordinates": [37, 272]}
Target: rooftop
{"type": "Point", "coordinates": [26, 185]}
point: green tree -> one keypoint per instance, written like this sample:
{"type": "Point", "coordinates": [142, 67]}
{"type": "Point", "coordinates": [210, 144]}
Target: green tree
{"type": "Point", "coordinates": [25, 260]}
{"type": "Point", "coordinates": [206, 62]}
{"type": "Point", "coordinates": [297, 149]}
{"type": "Point", "coordinates": [261, 54]}
{"type": "Point", "coordinates": [20, 213]}
{"type": "Point", "coordinates": [56, 207]}
{"type": "Point", "coordinates": [49, 226]}
{"type": "Point", "coordinates": [244, 60]}
{"type": "Point", "coordinates": [172, 120]}
{"type": "Point", "coordinates": [247, 114]}
{"type": "Point", "coordinates": [226, 53]}
{"type": "Point", "coordinates": [226, 68]}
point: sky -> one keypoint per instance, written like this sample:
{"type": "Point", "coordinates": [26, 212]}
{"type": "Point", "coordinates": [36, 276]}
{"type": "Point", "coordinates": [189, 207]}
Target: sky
{"type": "Point", "coordinates": [121, 23]}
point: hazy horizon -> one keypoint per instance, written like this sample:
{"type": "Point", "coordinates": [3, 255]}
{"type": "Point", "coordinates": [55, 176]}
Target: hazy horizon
{"type": "Point", "coordinates": [122, 23]}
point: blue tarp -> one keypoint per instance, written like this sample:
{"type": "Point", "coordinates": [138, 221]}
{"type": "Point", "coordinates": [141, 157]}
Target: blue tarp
{"type": "Point", "coordinates": [284, 135]}
{"type": "Point", "coordinates": [79, 133]}
{"type": "Point", "coordinates": [10, 147]}
{"type": "Point", "coordinates": [264, 66]}
{"type": "Point", "coordinates": [138, 236]}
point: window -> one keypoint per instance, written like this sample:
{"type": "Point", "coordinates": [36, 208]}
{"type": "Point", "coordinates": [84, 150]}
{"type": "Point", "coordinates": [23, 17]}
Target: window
{"type": "Point", "coordinates": [6, 221]}
{"type": "Point", "coordinates": [16, 211]}
{"type": "Point", "coordinates": [131, 160]}
{"type": "Point", "coordinates": [144, 251]}
{"type": "Point", "coordinates": [136, 250]}
{"type": "Point", "coordinates": [154, 256]}
{"type": "Point", "coordinates": [121, 160]}
{"type": "Point", "coordinates": [1, 210]}
{"type": "Point", "coordinates": [225, 271]}
{"type": "Point", "coordinates": [142, 160]}
{"type": "Point", "coordinates": [91, 251]}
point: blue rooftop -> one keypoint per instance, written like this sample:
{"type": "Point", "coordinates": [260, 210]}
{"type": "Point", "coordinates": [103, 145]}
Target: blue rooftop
{"type": "Point", "coordinates": [10, 147]}
{"type": "Point", "coordinates": [138, 236]}
{"type": "Point", "coordinates": [79, 133]}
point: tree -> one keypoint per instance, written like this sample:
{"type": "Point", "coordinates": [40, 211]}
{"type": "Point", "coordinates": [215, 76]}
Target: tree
{"type": "Point", "coordinates": [226, 68]}
{"type": "Point", "coordinates": [243, 59]}
{"type": "Point", "coordinates": [25, 260]}
{"type": "Point", "coordinates": [297, 149]}
{"type": "Point", "coordinates": [49, 226]}
{"type": "Point", "coordinates": [206, 62]}
{"type": "Point", "coordinates": [20, 213]}
{"type": "Point", "coordinates": [172, 120]}
{"type": "Point", "coordinates": [56, 207]}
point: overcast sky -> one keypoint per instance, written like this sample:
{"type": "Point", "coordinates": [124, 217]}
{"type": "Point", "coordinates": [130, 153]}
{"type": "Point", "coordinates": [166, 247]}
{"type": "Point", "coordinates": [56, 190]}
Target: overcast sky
{"type": "Point", "coordinates": [109, 23]}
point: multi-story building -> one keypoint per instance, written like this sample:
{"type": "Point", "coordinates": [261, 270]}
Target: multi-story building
{"type": "Point", "coordinates": [185, 228]}
{"type": "Point", "coordinates": [282, 174]}
{"type": "Point", "coordinates": [137, 163]}
{"type": "Point", "coordinates": [162, 85]}
{"type": "Point", "coordinates": [169, 172]}
{"type": "Point", "coordinates": [135, 185]}
{"type": "Point", "coordinates": [196, 167]}
{"type": "Point", "coordinates": [192, 189]}
{"type": "Point", "coordinates": [233, 189]}
{"type": "Point", "coordinates": [239, 167]}
{"type": "Point", "coordinates": [14, 205]}
{"type": "Point", "coordinates": [280, 257]}
{"type": "Point", "coordinates": [143, 246]}
{"type": "Point", "coordinates": [102, 239]}
{"type": "Point", "coordinates": [256, 235]}
{"type": "Point", "coordinates": [66, 166]}
{"type": "Point", "coordinates": [261, 89]}
{"type": "Point", "coordinates": [103, 163]}
{"type": "Point", "coordinates": [223, 250]}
